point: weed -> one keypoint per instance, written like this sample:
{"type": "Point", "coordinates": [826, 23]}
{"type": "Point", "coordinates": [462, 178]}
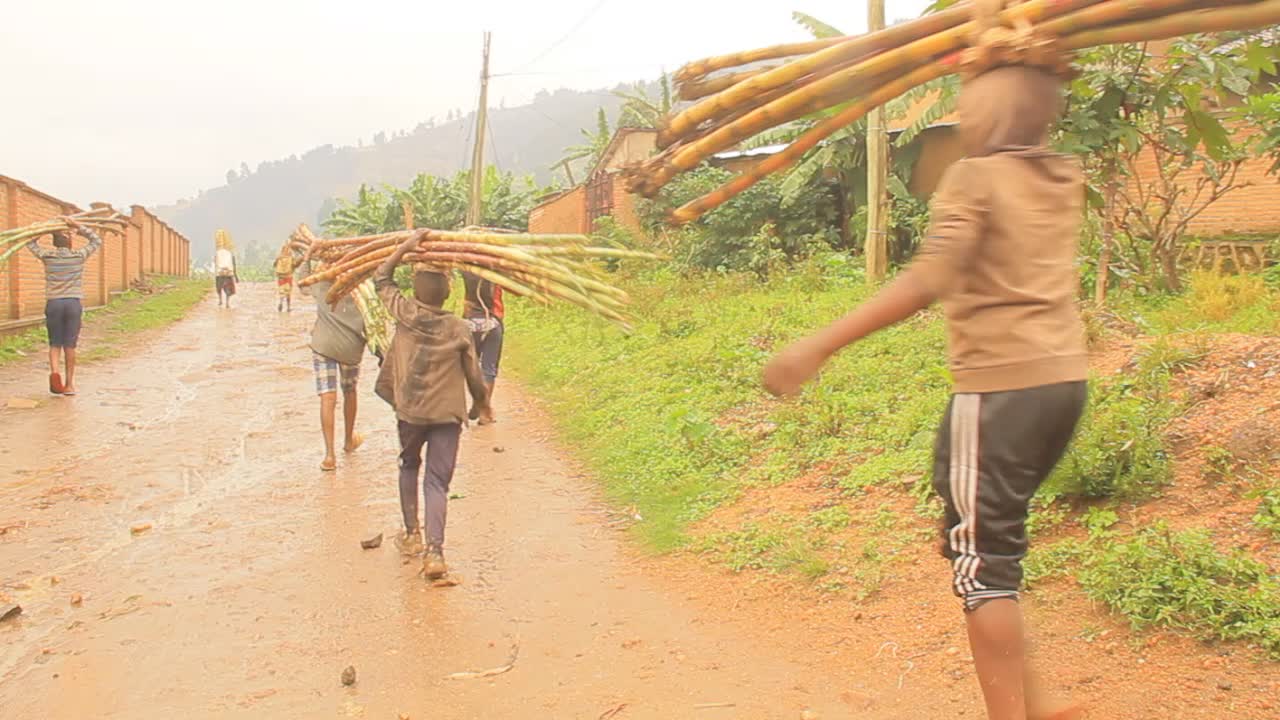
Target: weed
{"type": "Point", "coordinates": [1050, 561]}
{"type": "Point", "coordinates": [1166, 356]}
{"type": "Point", "coordinates": [1119, 450]}
{"type": "Point", "coordinates": [1218, 460]}
{"type": "Point", "coordinates": [1181, 580]}
{"type": "Point", "coordinates": [1268, 515]}
{"type": "Point", "coordinates": [1099, 521]}
{"type": "Point", "coordinates": [831, 519]}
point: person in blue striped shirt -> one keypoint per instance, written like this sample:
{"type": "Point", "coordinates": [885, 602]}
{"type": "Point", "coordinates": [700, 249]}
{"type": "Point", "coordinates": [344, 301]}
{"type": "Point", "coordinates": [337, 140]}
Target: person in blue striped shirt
{"type": "Point", "coordinates": [64, 299]}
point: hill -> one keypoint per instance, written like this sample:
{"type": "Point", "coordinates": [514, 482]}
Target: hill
{"type": "Point", "coordinates": [261, 207]}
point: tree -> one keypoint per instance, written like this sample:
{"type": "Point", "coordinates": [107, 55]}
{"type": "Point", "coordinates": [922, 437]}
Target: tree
{"type": "Point", "coordinates": [437, 202]}
{"type": "Point", "coordinates": [642, 111]}
{"type": "Point", "coordinates": [1161, 136]}
{"type": "Point", "coordinates": [842, 161]}
{"type": "Point", "coordinates": [596, 142]}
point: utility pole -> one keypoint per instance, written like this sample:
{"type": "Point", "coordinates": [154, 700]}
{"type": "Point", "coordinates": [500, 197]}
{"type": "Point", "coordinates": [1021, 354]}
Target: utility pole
{"type": "Point", "coordinates": [877, 245]}
{"type": "Point", "coordinates": [475, 207]}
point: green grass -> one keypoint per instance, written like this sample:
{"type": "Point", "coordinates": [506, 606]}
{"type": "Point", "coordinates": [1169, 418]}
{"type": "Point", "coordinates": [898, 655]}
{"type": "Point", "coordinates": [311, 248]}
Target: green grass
{"type": "Point", "coordinates": [1159, 578]}
{"type": "Point", "coordinates": [130, 313]}
{"type": "Point", "coordinates": [1212, 302]}
{"type": "Point", "coordinates": [19, 345]}
{"type": "Point", "coordinates": [672, 417]}
{"type": "Point", "coordinates": [674, 422]}
{"type": "Point", "coordinates": [1268, 515]}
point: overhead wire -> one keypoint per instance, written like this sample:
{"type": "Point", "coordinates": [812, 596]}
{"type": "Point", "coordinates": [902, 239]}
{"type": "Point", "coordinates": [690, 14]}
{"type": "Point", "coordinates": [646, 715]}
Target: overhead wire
{"type": "Point", "coordinates": [553, 46]}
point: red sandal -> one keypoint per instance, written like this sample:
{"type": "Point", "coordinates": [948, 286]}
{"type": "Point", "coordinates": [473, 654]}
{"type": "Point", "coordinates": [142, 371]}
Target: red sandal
{"type": "Point", "coordinates": [55, 384]}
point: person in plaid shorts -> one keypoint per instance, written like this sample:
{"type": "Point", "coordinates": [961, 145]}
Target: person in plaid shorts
{"type": "Point", "coordinates": [337, 347]}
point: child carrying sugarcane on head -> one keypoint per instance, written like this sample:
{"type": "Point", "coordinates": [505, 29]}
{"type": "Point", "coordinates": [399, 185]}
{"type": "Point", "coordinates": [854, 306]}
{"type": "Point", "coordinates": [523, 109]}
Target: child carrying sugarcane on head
{"type": "Point", "coordinates": [284, 268]}
{"type": "Point", "coordinates": [1000, 258]}
{"type": "Point", "coordinates": [429, 370]}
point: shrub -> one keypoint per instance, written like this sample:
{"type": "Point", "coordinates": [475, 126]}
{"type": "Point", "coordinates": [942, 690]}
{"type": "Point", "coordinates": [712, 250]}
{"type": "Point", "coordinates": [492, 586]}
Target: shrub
{"type": "Point", "coordinates": [1181, 580]}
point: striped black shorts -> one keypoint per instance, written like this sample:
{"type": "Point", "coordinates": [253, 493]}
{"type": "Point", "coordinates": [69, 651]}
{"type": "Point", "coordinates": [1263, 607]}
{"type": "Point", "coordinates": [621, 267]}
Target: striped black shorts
{"type": "Point", "coordinates": [992, 453]}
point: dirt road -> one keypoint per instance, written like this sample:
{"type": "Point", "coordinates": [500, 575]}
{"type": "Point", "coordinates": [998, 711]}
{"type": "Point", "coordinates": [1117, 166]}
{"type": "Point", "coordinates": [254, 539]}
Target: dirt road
{"type": "Point", "coordinates": [249, 593]}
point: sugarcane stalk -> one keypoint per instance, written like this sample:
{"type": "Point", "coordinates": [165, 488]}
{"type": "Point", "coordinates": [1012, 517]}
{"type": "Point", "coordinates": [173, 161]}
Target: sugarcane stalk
{"type": "Point", "coordinates": [1116, 11]}
{"type": "Point", "coordinates": [700, 89]}
{"type": "Point", "coordinates": [521, 261]}
{"type": "Point", "coordinates": [546, 272]}
{"type": "Point", "coordinates": [1220, 19]}
{"type": "Point", "coordinates": [668, 137]}
{"type": "Point", "coordinates": [694, 71]}
{"type": "Point", "coordinates": [823, 93]}
{"type": "Point", "coordinates": [810, 139]}
{"type": "Point", "coordinates": [888, 39]}
{"type": "Point", "coordinates": [1235, 17]}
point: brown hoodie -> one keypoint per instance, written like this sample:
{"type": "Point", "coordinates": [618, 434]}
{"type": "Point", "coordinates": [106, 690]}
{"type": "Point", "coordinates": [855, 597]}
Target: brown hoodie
{"type": "Point", "coordinates": [1001, 249]}
{"type": "Point", "coordinates": [431, 364]}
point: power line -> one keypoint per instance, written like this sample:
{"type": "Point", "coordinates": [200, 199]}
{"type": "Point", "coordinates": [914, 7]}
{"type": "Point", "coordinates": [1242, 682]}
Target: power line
{"type": "Point", "coordinates": [573, 30]}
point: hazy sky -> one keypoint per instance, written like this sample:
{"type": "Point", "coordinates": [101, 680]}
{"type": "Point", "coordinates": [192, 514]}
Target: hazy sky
{"type": "Point", "coordinates": [149, 101]}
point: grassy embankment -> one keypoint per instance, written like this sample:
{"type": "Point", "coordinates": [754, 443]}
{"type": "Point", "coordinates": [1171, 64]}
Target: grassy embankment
{"type": "Point", "coordinates": [673, 422]}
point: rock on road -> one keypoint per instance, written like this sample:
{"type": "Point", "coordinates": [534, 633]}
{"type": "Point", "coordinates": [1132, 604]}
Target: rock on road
{"type": "Point", "coordinates": [249, 594]}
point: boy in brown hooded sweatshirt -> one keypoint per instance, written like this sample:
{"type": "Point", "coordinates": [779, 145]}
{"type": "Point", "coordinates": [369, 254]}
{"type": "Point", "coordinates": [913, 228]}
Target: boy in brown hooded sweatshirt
{"type": "Point", "coordinates": [429, 369]}
{"type": "Point", "coordinates": [1000, 258]}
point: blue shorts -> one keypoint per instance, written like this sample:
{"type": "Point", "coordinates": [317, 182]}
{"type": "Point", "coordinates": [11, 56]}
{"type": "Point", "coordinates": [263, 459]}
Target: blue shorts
{"type": "Point", "coordinates": [62, 317]}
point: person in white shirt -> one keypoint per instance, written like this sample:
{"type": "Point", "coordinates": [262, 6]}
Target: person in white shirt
{"type": "Point", "coordinates": [224, 266]}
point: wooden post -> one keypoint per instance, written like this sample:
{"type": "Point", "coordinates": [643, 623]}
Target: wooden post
{"type": "Point", "coordinates": [475, 207]}
{"type": "Point", "coordinates": [877, 243]}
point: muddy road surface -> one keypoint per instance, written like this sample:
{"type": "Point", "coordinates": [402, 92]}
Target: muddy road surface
{"type": "Point", "coordinates": [178, 553]}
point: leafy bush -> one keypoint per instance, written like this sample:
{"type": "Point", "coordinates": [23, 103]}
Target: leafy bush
{"type": "Point", "coordinates": [1119, 450]}
{"type": "Point", "coordinates": [754, 231]}
{"type": "Point", "coordinates": [1181, 580]}
{"type": "Point", "coordinates": [1268, 516]}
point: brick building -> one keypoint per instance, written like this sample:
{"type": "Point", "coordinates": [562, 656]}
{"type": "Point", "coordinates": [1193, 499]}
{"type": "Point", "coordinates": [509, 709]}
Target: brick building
{"type": "Point", "coordinates": [147, 247]}
{"type": "Point", "coordinates": [576, 210]}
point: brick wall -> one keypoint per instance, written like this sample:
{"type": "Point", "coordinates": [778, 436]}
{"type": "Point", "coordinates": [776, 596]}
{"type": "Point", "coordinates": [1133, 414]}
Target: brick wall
{"type": "Point", "coordinates": [566, 213]}
{"type": "Point", "coordinates": [1251, 209]}
{"type": "Point", "coordinates": [147, 246]}
{"type": "Point", "coordinates": [624, 208]}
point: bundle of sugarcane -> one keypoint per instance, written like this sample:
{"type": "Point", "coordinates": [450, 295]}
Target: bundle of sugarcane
{"type": "Point", "coordinates": [222, 241]}
{"type": "Point", "coordinates": [541, 267]}
{"type": "Point", "coordinates": [102, 220]}
{"type": "Point", "coordinates": [299, 243]}
{"type": "Point", "coordinates": [378, 323]}
{"type": "Point", "coordinates": [857, 74]}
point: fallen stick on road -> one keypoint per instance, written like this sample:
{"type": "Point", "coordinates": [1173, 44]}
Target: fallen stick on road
{"type": "Point", "coordinates": [612, 712]}
{"type": "Point", "coordinates": [713, 706]}
{"type": "Point", "coordinates": [511, 662]}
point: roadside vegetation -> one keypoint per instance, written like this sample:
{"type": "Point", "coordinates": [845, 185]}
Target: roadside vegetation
{"type": "Point", "coordinates": [128, 314]}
